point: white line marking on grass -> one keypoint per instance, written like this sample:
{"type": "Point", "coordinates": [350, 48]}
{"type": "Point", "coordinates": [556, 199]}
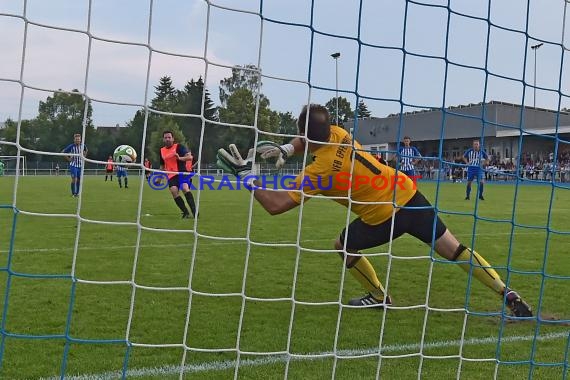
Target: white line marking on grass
{"type": "Point", "coordinates": [229, 364]}
{"type": "Point", "coordinates": [330, 240]}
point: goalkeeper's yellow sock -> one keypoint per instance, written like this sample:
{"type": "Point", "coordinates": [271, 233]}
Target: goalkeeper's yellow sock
{"type": "Point", "coordinates": [364, 272]}
{"type": "Point", "coordinates": [481, 269]}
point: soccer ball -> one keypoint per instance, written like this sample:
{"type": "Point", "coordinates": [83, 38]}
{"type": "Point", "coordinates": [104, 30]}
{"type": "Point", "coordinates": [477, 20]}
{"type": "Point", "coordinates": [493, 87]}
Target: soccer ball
{"type": "Point", "coordinates": [125, 153]}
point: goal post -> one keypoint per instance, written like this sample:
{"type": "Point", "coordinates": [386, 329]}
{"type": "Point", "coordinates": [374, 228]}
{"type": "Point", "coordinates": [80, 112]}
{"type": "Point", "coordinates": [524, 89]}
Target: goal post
{"type": "Point", "coordinates": [122, 282]}
{"type": "Point", "coordinates": [14, 164]}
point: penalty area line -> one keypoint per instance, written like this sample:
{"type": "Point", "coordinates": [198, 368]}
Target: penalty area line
{"type": "Point", "coordinates": [230, 364]}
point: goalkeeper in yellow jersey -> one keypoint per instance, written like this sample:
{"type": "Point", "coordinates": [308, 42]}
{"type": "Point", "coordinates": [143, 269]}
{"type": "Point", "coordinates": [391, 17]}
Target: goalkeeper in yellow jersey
{"type": "Point", "coordinates": [342, 171]}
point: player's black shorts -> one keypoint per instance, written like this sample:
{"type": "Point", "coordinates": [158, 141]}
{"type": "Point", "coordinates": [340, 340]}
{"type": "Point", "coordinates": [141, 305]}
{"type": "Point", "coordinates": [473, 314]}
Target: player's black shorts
{"type": "Point", "coordinates": [417, 219]}
{"type": "Point", "coordinates": [175, 181]}
{"type": "Point", "coordinates": [109, 171]}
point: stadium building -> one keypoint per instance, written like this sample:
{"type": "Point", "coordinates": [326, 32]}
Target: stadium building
{"type": "Point", "coordinates": [498, 125]}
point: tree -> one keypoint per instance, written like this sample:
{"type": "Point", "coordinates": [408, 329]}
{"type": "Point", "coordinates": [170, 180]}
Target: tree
{"type": "Point", "coordinates": [59, 117]}
{"type": "Point", "coordinates": [240, 109]}
{"type": "Point", "coordinates": [238, 96]}
{"type": "Point", "coordinates": [287, 125]}
{"type": "Point", "coordinates": [65, 107]}
{"type": "Point", "coordinates": [9, 134]}
{"type": "Point", "coordinates": [247, 77]}
{"type": "Point", "coordinates": [165, 99]}
{"type": "Point", "coordinates": [345, 111]}
{"type": "Point", "coordinates": [362, 110]}
{"type": "Point", "coordinates": [165, 95]}
{"type": "Point", "coordinates": [186, 101]}
{"type": "Point", "coordinates": [133, 133]}
{"type": "Point", "coordinates": [189, 101]}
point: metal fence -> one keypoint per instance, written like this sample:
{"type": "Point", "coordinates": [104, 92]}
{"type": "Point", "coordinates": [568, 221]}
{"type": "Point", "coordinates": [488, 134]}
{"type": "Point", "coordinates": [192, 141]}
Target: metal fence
{"type": "Point", "coordinates": [434, 175]}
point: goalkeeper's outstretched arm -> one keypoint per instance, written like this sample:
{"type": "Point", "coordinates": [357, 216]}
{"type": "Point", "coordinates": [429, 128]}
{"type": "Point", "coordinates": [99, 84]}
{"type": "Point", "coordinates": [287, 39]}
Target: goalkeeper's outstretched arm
{"type": "Point", "coordinates": [281, 153]}
{"type": "Point", "coordinates": [298, 145]}
{"type": "Point", "coordinates": [274, 202]}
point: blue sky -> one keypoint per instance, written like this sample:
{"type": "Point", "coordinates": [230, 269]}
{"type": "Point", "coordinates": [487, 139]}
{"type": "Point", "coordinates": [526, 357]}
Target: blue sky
{"type": "Point", "coordinates": [292, 53]}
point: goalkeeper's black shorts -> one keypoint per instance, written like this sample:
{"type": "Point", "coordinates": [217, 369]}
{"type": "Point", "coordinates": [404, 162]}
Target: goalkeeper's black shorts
{"type": "Point", "coordinates": [416, 218]}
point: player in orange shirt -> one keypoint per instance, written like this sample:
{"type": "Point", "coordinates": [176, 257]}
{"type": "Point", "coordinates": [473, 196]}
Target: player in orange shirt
{"type": "Point", "coordinates": [337, 160]}
{"type": "Point", "coordinates": [109, 167]}
{"type": "Point", "coordinates": [176, 160]}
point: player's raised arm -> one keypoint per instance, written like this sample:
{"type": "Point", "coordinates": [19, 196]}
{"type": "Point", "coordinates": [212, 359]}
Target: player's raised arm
{"type": "Point", "coordinates": [269, 149]}
{"type": "Point", "coordinates": [298, 145]}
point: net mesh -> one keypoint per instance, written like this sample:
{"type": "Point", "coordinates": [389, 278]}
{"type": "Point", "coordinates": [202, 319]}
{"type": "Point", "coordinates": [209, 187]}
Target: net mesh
{"type": "Point", "coordinates": [267, 329]}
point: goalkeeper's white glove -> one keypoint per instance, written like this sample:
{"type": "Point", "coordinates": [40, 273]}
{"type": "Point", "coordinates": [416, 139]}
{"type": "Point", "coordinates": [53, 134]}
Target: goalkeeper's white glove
{"type": "Point", "coordinates": [233, 162]}
{"type": "Point", "coordinates": [269, 149]}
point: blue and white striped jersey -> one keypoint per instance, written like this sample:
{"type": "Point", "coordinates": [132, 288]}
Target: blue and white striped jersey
{"type": "Point", "coordinates": [121, 169]}
{"type": "Point", "coordinates": [474, 157]}
{"type": "Point", "coordinates": [407, 156]}
{"type": "Point", "coordinates": [76, 161]}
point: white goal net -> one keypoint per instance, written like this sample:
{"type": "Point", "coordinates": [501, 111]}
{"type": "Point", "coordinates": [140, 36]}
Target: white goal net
{"type": "Point", "coordinates": [109, 281]}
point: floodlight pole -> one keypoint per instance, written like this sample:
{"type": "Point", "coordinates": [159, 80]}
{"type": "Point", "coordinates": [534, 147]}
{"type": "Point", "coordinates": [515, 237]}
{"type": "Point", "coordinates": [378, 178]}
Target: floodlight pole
{"type": "Point", "coordinates": [336, 56]}
{"type": "Point", "coordinates": [535, 48]}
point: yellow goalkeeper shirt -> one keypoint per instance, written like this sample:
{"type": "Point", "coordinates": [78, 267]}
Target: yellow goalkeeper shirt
{"type": "Point", "coordinates": [333, 174]}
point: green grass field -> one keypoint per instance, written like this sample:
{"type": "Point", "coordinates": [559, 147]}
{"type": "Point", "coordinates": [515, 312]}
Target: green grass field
{"type": "Point", "coordinates": [41, 326]}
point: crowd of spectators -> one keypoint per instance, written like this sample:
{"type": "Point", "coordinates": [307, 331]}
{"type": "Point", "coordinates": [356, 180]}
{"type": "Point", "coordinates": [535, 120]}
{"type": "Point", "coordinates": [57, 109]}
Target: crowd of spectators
{"type": "Point", "coordinates": [546, 169]}
{"type": "Point", "coordinates": [538, 167]}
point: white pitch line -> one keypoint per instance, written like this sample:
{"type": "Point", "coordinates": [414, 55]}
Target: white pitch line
{"type": "Point", "coordinates": [178, 245]}
{"type": "Point", "coordinates": [228, 364]}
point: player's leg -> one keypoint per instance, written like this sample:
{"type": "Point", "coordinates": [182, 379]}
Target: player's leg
{"type": "Point", "coordinates": [126, 180]}
{"type": "Point", "coordinates": [74, 180]}
{"type": "Point", "coordinates": [481, 184]}
{"type": "Point", "coordinates": [362, 236]}
{"type": "Point", "coordinates": [72, 184]}
{"type": "Point", "coordinates": [185, 187]}
{"type": "Point", "coordinates": [78, 181]}
{"type": "Point", "coordinates": [450, 248]}
{"type": "Point", "coordinates": [173, 184]}
{"type": "Point", "coordinates": [119, 179]}
{"type": "Point", "coordinates": [470, 176]}
{"type": "Point", "coordinates": [363, 271]}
